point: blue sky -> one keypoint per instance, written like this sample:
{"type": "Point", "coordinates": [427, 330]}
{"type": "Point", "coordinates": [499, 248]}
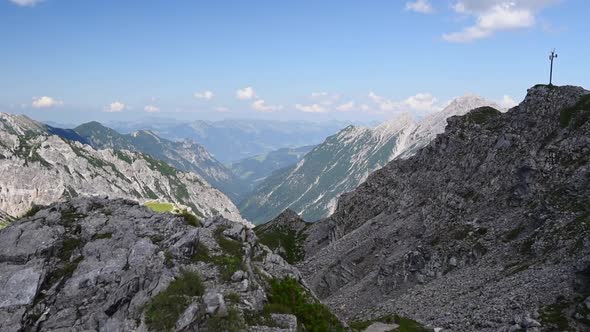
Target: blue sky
{"type": "Point", "coordinates": [72, 60]}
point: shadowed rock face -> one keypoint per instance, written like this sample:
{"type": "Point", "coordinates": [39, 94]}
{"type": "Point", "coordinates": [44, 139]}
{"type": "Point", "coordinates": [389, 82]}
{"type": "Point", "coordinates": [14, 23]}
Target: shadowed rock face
{"type": "Point", "coordinates": [97, 264]}
{"type": "Point", "coordinates": [481, 230]}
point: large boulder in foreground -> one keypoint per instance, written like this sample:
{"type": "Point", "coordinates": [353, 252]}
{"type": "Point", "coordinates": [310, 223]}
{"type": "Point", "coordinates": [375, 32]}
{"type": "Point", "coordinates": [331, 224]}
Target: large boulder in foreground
{"type": "Point", "coordinates": [96, 264]}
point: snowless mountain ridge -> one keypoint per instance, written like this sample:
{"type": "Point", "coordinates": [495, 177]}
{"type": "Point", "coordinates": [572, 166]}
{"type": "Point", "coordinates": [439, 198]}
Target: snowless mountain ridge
{"type": "Point", "coordinates": [343, 161]}
{"type": "Point", "coordinates": [38, 167]}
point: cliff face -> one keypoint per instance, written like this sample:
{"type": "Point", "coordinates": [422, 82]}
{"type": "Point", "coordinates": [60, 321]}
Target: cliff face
{"type": "Point", "coordinates": [485, 228]}
{"type": "Point", "coordinates": [37, 167]}
{"type": "Point", "coordinates": [112, 265]}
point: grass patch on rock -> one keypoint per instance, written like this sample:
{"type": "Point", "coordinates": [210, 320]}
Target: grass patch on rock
{"type": "Point", "coordinates": [164, 309]}
{"type": "Point", "coordinates": [230, 261]}
{"type": "Point", "coordinates": [190, 218]}
{"type": "Point", "coordinates": [160, 207]}
{"type": "Point", "coordinates": [32, 211]}
{"type": "Point", "coordinates": [287, 296]}
{"type": "Point", "coordinates": [482, 115]}
{"type": "Point", "coordinates": [579, 112]}
{"type": "Point", "coordinates": [232, 322]}
{"type": "Point", "coordinates": [552, 316]}
{"type": "Point", "coordinates": [288, 243]}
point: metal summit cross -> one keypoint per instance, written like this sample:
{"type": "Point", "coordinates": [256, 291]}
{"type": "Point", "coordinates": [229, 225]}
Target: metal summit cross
{"type": "Point", "coordinates": [552, 56]}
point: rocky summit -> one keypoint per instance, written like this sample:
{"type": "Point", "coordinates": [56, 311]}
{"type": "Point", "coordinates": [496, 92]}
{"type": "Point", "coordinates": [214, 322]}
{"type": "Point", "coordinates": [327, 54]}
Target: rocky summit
{"type": "Point", "coordinates": [485, 229]}
{"type": "Point", "coordinates": [94, 264]}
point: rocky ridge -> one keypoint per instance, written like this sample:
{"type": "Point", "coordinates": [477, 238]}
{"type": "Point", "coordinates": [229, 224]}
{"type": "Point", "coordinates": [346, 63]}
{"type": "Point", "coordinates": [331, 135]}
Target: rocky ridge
{"type": "Point", "coordinates": [183, 155]}
{"type": "Point", "coordinates": [38, 167]}
{"type": "Point", "coordinates": [94, 264]}
{"type": "Point", "coordinates": [343, 161]}
{"type": "Point", "coordinates": [484, 229]}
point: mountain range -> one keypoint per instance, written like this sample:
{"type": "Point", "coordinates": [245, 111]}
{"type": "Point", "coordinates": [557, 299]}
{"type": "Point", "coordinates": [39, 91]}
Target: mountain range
{"type": "Point", "coordinates": [253, 170]}
{"type": "Point", "coordinates": [486, 228]}
{"type": "Point", "coordinates": [42, 164]}
{"type": "Point", "coordinates": [183, 155]}
{"type": "Point", "coordinates": [343, 161]}
{"type": "Point", "coordinates": [483, 227]}
{"type": "Point", "coordinates": [236, 139]}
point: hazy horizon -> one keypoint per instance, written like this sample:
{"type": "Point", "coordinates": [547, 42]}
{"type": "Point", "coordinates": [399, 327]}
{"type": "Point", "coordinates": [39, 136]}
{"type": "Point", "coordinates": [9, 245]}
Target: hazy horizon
{"type": "Point", "coordinates": [77, 61]}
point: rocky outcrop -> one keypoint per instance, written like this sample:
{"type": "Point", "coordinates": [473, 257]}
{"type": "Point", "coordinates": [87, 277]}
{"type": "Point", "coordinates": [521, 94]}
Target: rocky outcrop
{"type": "Point", "coordinates": [94, 264]}
{"type": "Point", "coordinates": [38, 167]}
{"type": "Point", "coordinates": [285, 235]}
{"type": "Point", "coordinates": [343, 161]}
{"type": "Point", "coordinates": [485, 229]}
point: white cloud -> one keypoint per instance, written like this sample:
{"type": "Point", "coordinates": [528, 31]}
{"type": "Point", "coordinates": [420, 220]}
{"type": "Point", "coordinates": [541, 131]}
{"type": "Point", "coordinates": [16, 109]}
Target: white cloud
{"type": "Point", "coordinates": [384, 104]}
{"type": "Point", "coordinates": [324, 98]}
{"type": "Point", "coordinates": [206, 95]}
{"type": "Point", "coordinates": [318, 94]}
{"type": "Point", "coordinates": [507, 102]}
{"type": "Point", "coordinates": [423, 102]}
{"type": "Point", "coordinates": [26, 3]}
{"type": "Point", "coordinates": [313, 108]}
{"type": "Point", "coordinates": [420, 6]}
{"type": "Point", "coordinates": [150, 109]}
{"type": "Point", "coordinates": [495, 15]}
{"type": "Point", "coordinates": [346, 107]}
{"type": "Point", "coordinates": [46, 102]}
{"type": "Point", "coordinates": [259, 105]}
{"type": "Point", "coordinates": [246, 93]}
{"type": "Point", "coordinates": [116, 107]}
{"type": "Point", "coordinates": [365, 108]}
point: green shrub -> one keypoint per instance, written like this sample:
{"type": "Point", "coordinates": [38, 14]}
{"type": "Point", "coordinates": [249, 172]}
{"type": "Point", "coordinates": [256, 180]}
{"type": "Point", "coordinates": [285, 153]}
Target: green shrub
{"type": "Point", "coordinates": [229, 262]}
{"type": "Point", "coordinates": [290, 241]}
{"type": "Point", "coordinates": [552, 316]}
{"type": "Point", "coordinates": [583, 107]}
{"type": "Point", "coordinates": [233, 297]}
{"type": "Point", "coordinates": [228, 265]}
{"type": "Point", "coordinates": [190, 218]}
{"type": "Point", "coordinates": [32, 211]}
{"type": "Point", "coordinates": [288, 295]}
{"type": "Point", "coordinates": [69, 245]}
{"type": "Point", "coordinates": [513, 234]}
{"type": "Point", "coordinates": [168, 259]}
{"type": "Point", "coordinates": [482, 115]}
{"type": "Point", "coordinates": [233, 322]}
{"type": "Point", "coordinates": [201, 253]}
{"type": "Point", "coordinates": [103, 236]}
{"type": "Point", "coordinates": [69, 216]}
{"type": "Point", "coordinates": [229, 246]}
{"type": "Point", "coordinates": [164, 309]}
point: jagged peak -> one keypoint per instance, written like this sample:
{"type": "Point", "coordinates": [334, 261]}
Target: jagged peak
{"type": "Point", "coordinates": [20, 123]}
{"type": "Point", "coordinates": [288, 213]}
{"type": "Point", "coordinates": [401, 121]}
